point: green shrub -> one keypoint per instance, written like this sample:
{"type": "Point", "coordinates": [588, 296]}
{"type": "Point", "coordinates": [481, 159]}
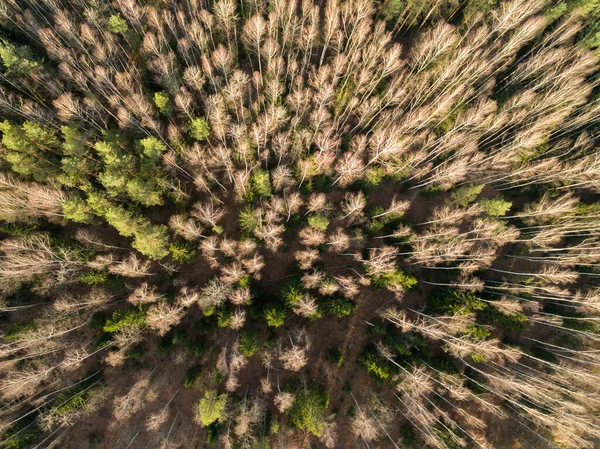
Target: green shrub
{"type": "Point", "coordinates": [248, 221]}
{"type": "Point", "coordinates": [182, 252]}
{"type": "Point", "coordinates": [136, 353]}
{"type": "Point", "coordinates": [374, 211]}
{"type": "Point", "coordinates": [20, 435]}
{"type": "Point", "coordinates": [373, 177]}
{"type": "Point", "coordinates": [104, 340]}
{"type": "Point", "coordinates": [478, 332]}
{"type": "Point", "coordinates": [206, 325]}
{"type": "Point", "coordinates": [212, 408]}
{"type": "Point", "coordinates": [409, 438]}
{"type": "Point", "coordinates": [163, 345]}
{"type": "Point", "coordinates": [197, 347]}
{"type": "Point", "coordinates": [212, 434]}
{"type": "Point", "coordinates": [94, 440]}
{"type": "Point", "coordinates": [478, 358]}
{"type": "Point", "coordinates": [375, 225]}
{"type": "Point", "coordinates": [292, 293]}
{"type": "Point", "coordinates": [451, 302]}
{"type": "Point", "coordinates": [274, 426]}
{"type": "Point", "coordinates": [542, 353]}
{"type": "Point", "coordinates": [224, 316]}
{"type": "Point", "coordinates": [97, 321]}
{"type": "Point", "coordinates": [245, 281]}
{"type": "Point", "coordinates": [343, 95]}
{"type": "Point", "coordinates": [318, 221]}
{"type": "Point", "coordinates": [308, 410]}
{"type": "Point", "coordinates": [117, 24]}
{"type": "Point", "coordinates": [163, 103]}
{"type": "Point", "coordinates": [93, 277]}
{"type": "Point", "coordinates": [338, 306]}
{"type": "Point", "coordinates": [67, 402]}
{"type": "Point", "coordinates": [134, 317]}
{"type": "Point", "coordinates": [17, 229]}
{"type": "Point", "coordinates": [209, 312]}
{"type": "Point", "coordinates": [432, 191]}
{"type": "Point", "coordinates": [76, 209]}
{"type": "Point", "coordinates": [321, 183]}
{"type": "Point", "coordinates": [580, 325]}
{"type": "Point", "coordinates": [275, 315]}
{"type": "Point", "coordinates": [191, 376]}
{"type": "Point", "coordinates": [398, 278]}
{"type": "Point", "coordinates": [463, 196]}
{"type": "Point", "coordinates": [219, 377]}
{"type": "Point", "coordinates": [260, 185]}
{"type": "Point", "coordinates": [250, 342]}
{"type": "Point", "coordinates": [199, 129]}
{"type": "Point", "coordinates": [335, 357]}
{"type": "Point", "coordinates": [306, 174]}
{"type": "Point", "coordinates": [179, 337]}
{"type": "Point", "coordinates": [496, 207]}
{"type": "Point", "coordinates": [13, 332]}
{"type": "Point", "coordinates": [20, 296]}
{"type": "Point", "coordinates": [400, 343]}
{"type": "Point", "coordinates": [152, 241]}
{"type": "Point", "coordinates": [378, 328]}
{"type": "Point", "coordinates": [375, 365]}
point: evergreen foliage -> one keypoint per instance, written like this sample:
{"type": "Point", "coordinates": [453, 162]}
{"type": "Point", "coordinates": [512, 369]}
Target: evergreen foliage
{"type": "Point", "coordinates": [254, 206]}
{"type": "Point", "coordinates": [163, 103]}
{"type": "Point", "coordinates": [212, 407]}
{"type": "Point", "coordinates": [249, 343]}
{"type": "Point", "coordinates": [199, 129]}
{"type": "Point", "coordinates": [117, 24]}
{"type": "Point", "coordinates": [308, 410]}
{"type": "Point", "coordinates": [133, 317]}
{"type": "Point", "coordinates": [16, 60]}
{"type": "Point", "coordinates": [496, 207]}
{"type": "Point", "coordinates": [318, 221]}
{"type": "Point", "coordinates": [152, 241]}
{"type": "Point", "coordinates": [463, 196]}
{"type": "Point", "coordinates": [275, 315]}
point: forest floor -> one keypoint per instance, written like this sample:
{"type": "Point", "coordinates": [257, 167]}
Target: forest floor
{"type": "Point", "coordinates": [166, 371]}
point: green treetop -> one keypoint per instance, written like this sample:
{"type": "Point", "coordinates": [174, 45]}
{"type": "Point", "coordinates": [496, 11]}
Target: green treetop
{"type": "Point", "coordinates": [117, 24]}
{"type": "Point", "coordinates": [464, 196]}
{"type": "Point", "coordinates": [16, 60]}
{"type": "Point", "coordinates": [275, 315]}
{"type": "Point", "coordinates": [76, 209]}
{"type": "Point", "coordinates": [98, 202]}
{"type": "Point", "coordinates": [144, 191]}
{"type": "Point", "coordinates": [308, 409]}
{"type": "Point", "coordinates": [114, 180]}
{"type": "Point", "coordinates": [260, 185]}
{"type": "Point", "coordinates": [110, 153]}
{"type": "Point", "coordinates": [163, 103]}
{"type": "Point", "coordinates": [199, 129]}
{"type": "Point", "coordinates": [32, 149]}
{"type": "Point", "coordinates": [152, 241]}
{"type": "Point", "coordinates": [318, 221]}
{"type": "Point", "coordinates": [212, 407]}
{"type": "Point", "coordinates": [152, 148]}
{"type": "Point", "coordinates": [124, 221]}
{"type": "Point", "coordinates": [496, 207]}
{"type": "Point", "coordinates": [76, 163]}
